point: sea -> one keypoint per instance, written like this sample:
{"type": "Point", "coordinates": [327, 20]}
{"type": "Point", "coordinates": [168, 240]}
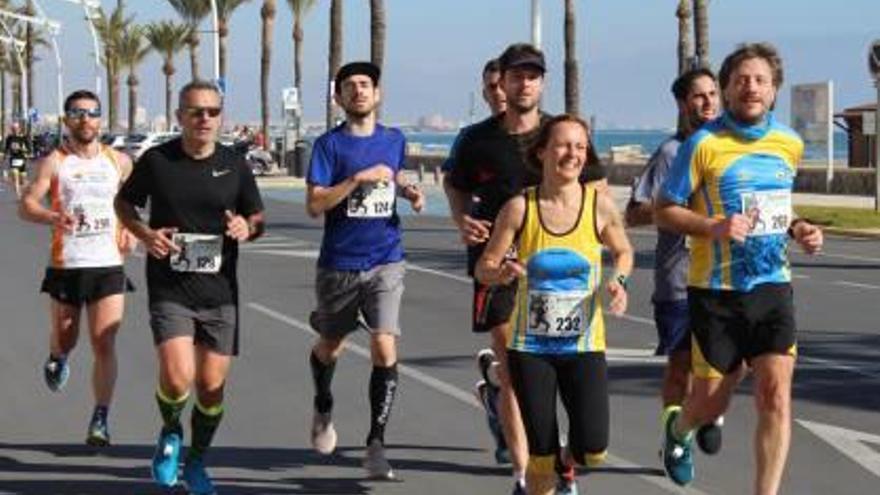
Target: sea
{"type": "Point", "coordinates": [648, 140]}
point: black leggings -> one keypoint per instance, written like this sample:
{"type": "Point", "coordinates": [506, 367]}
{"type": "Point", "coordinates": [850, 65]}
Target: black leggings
{"type": "Point", "coordinates": [582, 382]}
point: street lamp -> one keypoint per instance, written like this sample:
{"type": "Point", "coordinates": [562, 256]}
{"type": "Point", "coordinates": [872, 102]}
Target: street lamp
{"type": "Point", "coordinates": [90, 10]}
{"type": "Point", "coordinates": [215, 16]}
{"type": "Point", "coordinates": [536, 23]}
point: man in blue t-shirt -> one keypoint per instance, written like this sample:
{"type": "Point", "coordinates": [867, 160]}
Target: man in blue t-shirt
{"type": "Point", "coordinates": [354, 179]}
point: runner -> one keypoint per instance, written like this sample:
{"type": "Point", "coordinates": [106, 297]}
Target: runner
{"type": "Point", "coordinates": [353, 181]}
{"type": "Point", "coordinates": [486, 388]}
{"type": "Point", "coordinates": [489, 168]}
{"type": "Point", "coordinates": [557, 339]}
{"type": "Point", "coordinates": [739, 281]}
{"type": "Point", "coordinates": [202, 196]}
{"type": "Point", "coordinates": [696, 96]}
{"type": "Point", "coordinates": [85, 267]}
{"type": "Point", "coordinates": [16, 151]}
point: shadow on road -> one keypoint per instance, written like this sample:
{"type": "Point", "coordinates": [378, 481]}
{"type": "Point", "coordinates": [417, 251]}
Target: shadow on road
{"type": "Point", "coordinates": [123, 469]}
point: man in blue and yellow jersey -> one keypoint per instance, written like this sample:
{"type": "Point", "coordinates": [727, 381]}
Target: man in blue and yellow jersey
{"type": "Point", "coordinates": [729, 189]}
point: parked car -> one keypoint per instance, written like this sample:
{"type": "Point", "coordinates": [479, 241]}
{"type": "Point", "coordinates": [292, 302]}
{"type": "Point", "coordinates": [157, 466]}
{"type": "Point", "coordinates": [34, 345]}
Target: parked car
{"type": "Point", "coordinates": [115, 141]}
{"type": "Point", "coordinates": [137, 144]}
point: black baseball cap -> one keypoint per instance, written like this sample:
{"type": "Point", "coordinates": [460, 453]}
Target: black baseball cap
{"type": "Point", "coordinates": [522, 55]}
{"type": "Point", "coordinates": [368, 69]}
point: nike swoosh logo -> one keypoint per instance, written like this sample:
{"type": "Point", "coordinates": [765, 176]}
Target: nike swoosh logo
{"type": "Point", "coordinates": [220, 173]}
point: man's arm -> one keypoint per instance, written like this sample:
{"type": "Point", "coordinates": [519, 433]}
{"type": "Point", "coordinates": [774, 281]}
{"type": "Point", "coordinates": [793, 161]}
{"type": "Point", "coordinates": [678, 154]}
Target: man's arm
{"type": "Point", "coordinates": [320, 199]}
{"type": "Point", "coordinates": [676, 218]}
{"type": "Point", "coordinates": [31, 208]}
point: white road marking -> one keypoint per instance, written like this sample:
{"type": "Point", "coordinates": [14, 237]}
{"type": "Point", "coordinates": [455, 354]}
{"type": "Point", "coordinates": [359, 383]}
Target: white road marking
{"type": "Point", "coordinates": [827, 363]}
{"type": "Point", "coordinates": [857, 285]}
{"type": "Point", "coordinates": [457, 393]}
{"type": "Point", "coordinates": [851, 257]}
{"type": "Point", "coordinates": [850, 443]}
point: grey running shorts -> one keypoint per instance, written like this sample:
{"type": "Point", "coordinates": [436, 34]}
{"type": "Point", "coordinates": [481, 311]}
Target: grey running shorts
{"type": "Point", "coordinates": [342, 296]}
{"type": "Point", "coordinates": [215, 328]}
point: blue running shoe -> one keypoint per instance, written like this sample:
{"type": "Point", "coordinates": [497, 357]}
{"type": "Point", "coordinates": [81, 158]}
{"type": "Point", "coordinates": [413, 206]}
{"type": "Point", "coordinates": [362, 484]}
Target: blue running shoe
{"type": "Point", "coordinates": [678, 460]}
{"type": "Point", "coordinates": [56, 371]}
{"type": "Point", "coordinates": [196, 478]}
{"type": "Point", "coordinates": [166, 457]}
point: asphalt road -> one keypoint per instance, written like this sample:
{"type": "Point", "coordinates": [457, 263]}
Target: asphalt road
{"type": "Point", "coordinates": [438, 443]}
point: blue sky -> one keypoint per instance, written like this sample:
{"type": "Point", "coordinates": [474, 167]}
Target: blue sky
{"type": "Point", "coordinates": [435, 49]}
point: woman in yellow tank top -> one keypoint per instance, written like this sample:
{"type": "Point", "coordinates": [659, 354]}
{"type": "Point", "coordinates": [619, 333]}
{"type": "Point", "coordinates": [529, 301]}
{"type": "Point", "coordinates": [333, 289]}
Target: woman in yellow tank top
{"type": "Point", "coordinates": [557, 342]}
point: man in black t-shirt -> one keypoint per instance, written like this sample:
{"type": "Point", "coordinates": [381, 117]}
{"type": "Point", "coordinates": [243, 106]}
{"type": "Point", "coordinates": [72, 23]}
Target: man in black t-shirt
{"type": "Point", "coordinates": [203, 202]}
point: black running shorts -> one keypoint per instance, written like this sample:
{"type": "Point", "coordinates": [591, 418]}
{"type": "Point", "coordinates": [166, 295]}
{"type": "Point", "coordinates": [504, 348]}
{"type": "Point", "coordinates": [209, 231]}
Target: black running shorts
{"type": "Point", "coordinates": [730, 327]}
{"type": "Point", "coordinates": [492, 305]}
{"type": "Point", "coordinates": [78, 286]}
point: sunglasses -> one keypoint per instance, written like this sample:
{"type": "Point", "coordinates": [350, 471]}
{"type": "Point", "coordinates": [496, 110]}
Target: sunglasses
{"type": "Point", "coordinates": [194, 112]}
{"type": "Point", "coordinates": [79, 113]}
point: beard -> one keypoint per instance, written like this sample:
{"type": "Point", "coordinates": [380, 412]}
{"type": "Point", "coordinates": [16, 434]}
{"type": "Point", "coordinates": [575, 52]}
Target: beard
{"type": "Point", "coordinates": [521, 108]}
{"type": "Point", "coordinates": [83, 137]}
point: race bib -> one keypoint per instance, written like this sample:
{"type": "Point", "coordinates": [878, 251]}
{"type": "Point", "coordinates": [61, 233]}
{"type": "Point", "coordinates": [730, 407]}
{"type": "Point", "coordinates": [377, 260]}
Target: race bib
{"type": "Point", "coordinates": [371, 200]}
{"type": "Point", "coordinates": [769, 211]}
{"type": "Point", "coordinates": [199, 253]}
{"type": "Point", "coordinates": [92, 219]}
{"type": "Point", "coordinates": [18, 162]}
{"type": "Point", "coordinates": [556, 314]}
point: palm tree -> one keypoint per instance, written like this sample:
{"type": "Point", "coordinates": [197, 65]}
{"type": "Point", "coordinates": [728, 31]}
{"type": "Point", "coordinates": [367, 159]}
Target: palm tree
{"type": "Point", "coordinates": [377, 34]}
{"type": "Point", "coordinates": [225, 8]}
{"type": "Point", "coordinates": [192, 12]}
{"type": "Point", "coordinates": [167, 38]}
{"type": "Point", "coordinates": [572, 94]}
{"type": "Point", "coordinates": [335, 54]}
{"type": "Point", "coordinates": [268, 15]}
{"type": "Point", "coordinates": [111, 30]}
{"type": "Point", "coordinates": [299, 8]}
{"type": "Point", "coordinates": [701, 31]}
{"type": "Point", "coordinates": [29, 54]}
{"type": "Point", "coordinates": [685, 49]}
{"type": "Point", "coordinates": [133, 49]}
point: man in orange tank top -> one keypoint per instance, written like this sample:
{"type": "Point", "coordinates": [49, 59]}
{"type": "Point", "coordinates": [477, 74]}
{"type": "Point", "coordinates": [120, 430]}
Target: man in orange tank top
{"type": "Point", "coordinates": [81, 178]}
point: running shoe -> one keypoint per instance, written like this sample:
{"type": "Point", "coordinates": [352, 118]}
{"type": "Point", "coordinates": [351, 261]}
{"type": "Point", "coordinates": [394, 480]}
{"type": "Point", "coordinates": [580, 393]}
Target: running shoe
{"type": "Point", "coordinates": [567, 484]}
{"type": "Point", "coordinates": [518, 489]}
{"type": "Point", "coordinates": [486, 362]}
{"type": "Point", "coordinates": [98, 434]}
{"type": "Point", "coordinates": [483, 392]}
{"type": "Point", "coordinates": [56, 371]}
{"type": "Point", "coordinates": [678, 460]}
{"type": "Point", "coordinates": [166, 458]}
{"type": "Point", "coordinates": [196, 478]}
{"type": "Point", "coordinates": [323, 433]}
{"type": "Point", "coordinates": [709, 436]}
{"type": "Point", "coordinates": [375, 462]}
{"type": "Point", "coordinates": [566, 487]}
